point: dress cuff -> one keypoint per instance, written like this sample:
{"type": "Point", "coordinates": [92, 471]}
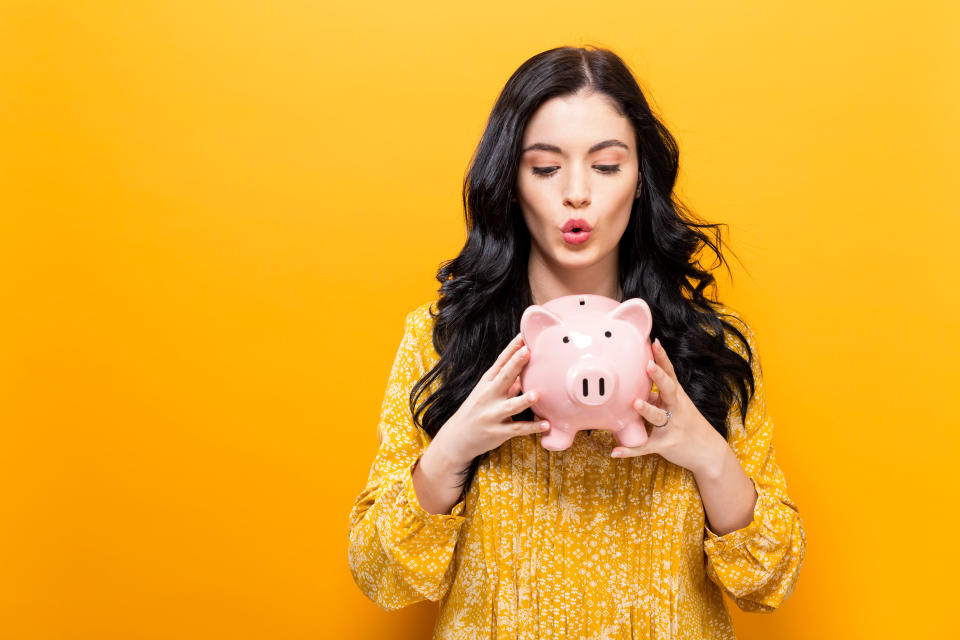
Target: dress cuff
{"type": "Point", "coordinates": [739, 537]}
{"type": "Point", "coordinates": [420, 545]}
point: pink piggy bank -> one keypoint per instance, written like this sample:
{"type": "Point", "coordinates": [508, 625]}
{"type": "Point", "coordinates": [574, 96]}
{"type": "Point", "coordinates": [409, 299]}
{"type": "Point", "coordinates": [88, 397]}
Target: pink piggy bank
{"type": "Point", "coordinates": [587, 357]}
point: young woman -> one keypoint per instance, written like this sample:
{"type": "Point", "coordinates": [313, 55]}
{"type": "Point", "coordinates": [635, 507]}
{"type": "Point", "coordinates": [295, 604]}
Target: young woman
{"type": "Point", "coordinates": [570, 191]}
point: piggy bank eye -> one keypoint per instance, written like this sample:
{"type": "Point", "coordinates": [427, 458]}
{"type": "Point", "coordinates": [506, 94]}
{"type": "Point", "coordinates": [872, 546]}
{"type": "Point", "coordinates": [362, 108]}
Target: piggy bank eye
{"type": "Point", "coordinates": [566, 338]}
{"type": "Point", "coordinates": [607, 333]}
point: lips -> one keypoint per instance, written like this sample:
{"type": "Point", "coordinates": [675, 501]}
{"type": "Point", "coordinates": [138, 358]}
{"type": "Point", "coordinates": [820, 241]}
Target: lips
{"type": "Point", "coordinates": [576, 231]}
{"type": "Point", "coordinates": [578, 224]}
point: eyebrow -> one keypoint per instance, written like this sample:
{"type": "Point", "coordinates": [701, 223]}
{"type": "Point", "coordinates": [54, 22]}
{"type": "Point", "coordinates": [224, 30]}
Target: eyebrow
{"type": "Point", "coordinates": [542, 146]}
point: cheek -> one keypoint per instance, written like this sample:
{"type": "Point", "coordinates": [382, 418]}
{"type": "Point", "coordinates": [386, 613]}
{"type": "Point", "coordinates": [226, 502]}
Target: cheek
{"type": "Point", "coordinates": [535, 192]}
{"type": "Point", "coordinates": [534, 223]}
{"type": "Point", "coordinates": [624, 205]}
{"type": "Point", "coordinates": [622, 220]}
{"type": "Point", "coordinates": [534, 201]}
{"type": "Point", "coordinates": [622, 194]}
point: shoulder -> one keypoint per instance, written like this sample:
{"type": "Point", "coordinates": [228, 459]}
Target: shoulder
{"type": "Point", "coordinates": [747, 350]}
{"type": "Point", "coordinates": [734, 318]}
{"type": "Point", "coordinates": [420, 318]}
{"type": "Point", "coordinates": [418, 327]}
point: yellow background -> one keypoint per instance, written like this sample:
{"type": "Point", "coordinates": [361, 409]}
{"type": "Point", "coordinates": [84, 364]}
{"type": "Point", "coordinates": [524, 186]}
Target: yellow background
{"type": "Point", "coordinates": [215, 216]}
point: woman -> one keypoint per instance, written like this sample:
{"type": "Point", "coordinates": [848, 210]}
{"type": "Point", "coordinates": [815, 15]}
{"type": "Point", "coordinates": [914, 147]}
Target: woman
{"type": "Point", "coordinates": [570, 191]}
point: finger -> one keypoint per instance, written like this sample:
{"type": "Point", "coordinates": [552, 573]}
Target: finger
{"type": "Point", "coordinates": [515, 388]}
{"type": "Point", "coordinates": [504, 356]}
{"type": "Point", "coordinates": [654, 398]}
{"type": "Point", "coordinates": [631, 452]}
{"type": "Point", "coordinates": [665, 384]}
{"type": "Point", "coordinates": [523, 427]}
{"type": "Point", "coordinates": [511, 370]}
{"type": "Point", "coordinates": [516, 404]}
{"type": "Point", "coordinates": [654, 415]}
{"type": "Point", "coordinates": [648, 447]}
{"type": "Point", "coordinates": [661, 358]}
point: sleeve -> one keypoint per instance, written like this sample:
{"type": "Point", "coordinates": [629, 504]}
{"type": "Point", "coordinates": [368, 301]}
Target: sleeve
{"type": "Point", "coordinates": [399, 553]}
{"type": "Point", "coordinates": [758, 565]}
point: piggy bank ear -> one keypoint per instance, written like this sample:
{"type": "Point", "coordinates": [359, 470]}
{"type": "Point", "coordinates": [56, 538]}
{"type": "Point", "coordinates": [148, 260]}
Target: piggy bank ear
{"type": "Point", "coordinates": [636, 312]}
{"type": "Point", "coordinates": [534, 320]}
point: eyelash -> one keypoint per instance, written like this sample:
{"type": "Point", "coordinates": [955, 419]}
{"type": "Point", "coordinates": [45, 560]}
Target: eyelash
{"type": "Point", "coordinates": [609, 169]}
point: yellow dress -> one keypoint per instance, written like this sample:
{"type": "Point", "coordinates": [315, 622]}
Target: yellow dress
{"type": "Point", "coordinates": [569, 544]}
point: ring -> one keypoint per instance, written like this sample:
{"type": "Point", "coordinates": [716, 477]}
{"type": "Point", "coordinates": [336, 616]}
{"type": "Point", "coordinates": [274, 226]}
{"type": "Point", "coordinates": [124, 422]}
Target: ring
{"type": "Point", "coordinates": [660, 426]}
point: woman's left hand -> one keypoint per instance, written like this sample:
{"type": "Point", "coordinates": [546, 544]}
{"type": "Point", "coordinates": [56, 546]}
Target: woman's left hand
{"type": "Point", "coordinates": [688, 439]}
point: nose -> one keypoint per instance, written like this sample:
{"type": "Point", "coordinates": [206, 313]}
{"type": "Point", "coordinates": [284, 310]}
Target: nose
{"type": "Point", "coordinates": [591, 384]}
{"type": "Point", "coordinates": [577, 191]}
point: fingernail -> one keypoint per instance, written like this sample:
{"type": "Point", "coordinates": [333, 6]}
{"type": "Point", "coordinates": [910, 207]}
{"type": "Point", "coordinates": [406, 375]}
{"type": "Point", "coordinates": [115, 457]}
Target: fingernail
{"type": "Point", "coordinates": [638, 404]}
{"type": "Point", "coordinates": [544, 426]}
{"type": "Point", "coordinates": [532, 396]}
{"type": "Point", "coordinates": [651, 364]}
{"type": "Point", "coordinates": [524, 351]}
{"type": "Point", "coordinates": [616, 454]}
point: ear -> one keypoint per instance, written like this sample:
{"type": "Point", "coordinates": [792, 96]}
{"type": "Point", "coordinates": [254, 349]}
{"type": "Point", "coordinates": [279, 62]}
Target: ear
{"type": "Point", "coordinates": [533, 322]}
{"type": "Point", "coordinates": [636, 312]}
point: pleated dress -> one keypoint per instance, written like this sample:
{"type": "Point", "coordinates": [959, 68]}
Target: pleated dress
{"type": "Point", "coordinates": [569, 544]}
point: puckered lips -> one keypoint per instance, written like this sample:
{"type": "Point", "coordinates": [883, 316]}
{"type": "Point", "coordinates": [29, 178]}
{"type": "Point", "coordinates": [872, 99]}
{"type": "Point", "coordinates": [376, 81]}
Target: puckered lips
{"type": "Point", "coordinates": [576, 224]}
{"type": "Point", "coordinates": [576, 231]}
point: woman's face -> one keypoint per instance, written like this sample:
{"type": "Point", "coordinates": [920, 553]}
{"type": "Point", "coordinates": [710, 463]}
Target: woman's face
{"type": "Point", "coordinates": [578, 162]}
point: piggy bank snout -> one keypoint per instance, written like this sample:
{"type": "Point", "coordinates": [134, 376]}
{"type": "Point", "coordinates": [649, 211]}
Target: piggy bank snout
{"type": "Point", "coordinates": [591, 384]}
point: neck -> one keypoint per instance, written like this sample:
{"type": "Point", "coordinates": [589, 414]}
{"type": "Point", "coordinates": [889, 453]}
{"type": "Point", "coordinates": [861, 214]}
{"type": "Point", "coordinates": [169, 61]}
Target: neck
{"type": "Point", "coordinates": [548, 282]}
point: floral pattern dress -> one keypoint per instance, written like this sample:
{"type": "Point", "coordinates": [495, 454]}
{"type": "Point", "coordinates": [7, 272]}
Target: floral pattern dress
{"type": "Point", "coordinates": [569, 544]}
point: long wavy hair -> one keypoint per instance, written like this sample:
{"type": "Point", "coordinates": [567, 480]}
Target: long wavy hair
{"type": "Point", "coordinates": [485, 289]}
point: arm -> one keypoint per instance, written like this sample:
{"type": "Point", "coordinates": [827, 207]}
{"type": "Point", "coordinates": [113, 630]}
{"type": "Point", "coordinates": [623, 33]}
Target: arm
{"type": "Point", "coordinates": [399, 553]}
{"type": "Point", "coordinates": [436, 479]}
{"type": "Point", "coordinates": [757, 564]}
{"type": "Point", "coordinates": [728, 494]}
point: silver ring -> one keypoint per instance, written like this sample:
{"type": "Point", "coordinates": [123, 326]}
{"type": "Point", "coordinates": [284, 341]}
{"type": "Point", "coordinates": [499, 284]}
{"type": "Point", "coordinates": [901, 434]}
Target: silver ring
{"type": "Point", "coordinates": [660, 426]}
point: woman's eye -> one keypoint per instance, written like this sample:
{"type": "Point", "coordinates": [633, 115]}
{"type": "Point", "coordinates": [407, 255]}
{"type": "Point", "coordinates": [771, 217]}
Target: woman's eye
{"type": "Point", "coordinates": [544, 171]}
{"type": "Point", "coordinates": [549, 171]}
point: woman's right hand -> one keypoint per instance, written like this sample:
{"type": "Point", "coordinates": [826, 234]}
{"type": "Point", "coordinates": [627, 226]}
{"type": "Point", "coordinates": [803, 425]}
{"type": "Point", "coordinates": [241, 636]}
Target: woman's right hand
{"type": "Point", "coordinates": [483, 422]}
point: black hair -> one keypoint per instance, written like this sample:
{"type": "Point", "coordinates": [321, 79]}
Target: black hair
{"type": "Point", "coordinates": [485, 289]}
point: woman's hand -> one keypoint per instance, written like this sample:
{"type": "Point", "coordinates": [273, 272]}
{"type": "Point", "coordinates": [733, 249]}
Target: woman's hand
{"type": "Point", "coordinates": [688, 439]}
{"type": "Point", "coordinates": [484, 420]}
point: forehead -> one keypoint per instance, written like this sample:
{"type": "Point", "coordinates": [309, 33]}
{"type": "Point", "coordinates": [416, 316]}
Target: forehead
{"type": "Point", "coordinates": [576, 122]}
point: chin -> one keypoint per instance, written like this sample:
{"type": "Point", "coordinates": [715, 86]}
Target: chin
{"type": "Point", "coordinates": [576, 258]}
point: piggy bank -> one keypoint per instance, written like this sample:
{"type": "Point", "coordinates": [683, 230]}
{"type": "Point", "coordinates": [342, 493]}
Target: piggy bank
{"type": "Point", "coordinates": [587, 361]}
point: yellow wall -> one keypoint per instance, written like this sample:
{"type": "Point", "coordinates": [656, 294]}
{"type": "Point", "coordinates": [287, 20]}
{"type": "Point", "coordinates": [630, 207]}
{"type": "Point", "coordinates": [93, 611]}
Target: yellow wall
{"type": "Point", "coordinates": [215, 216]}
